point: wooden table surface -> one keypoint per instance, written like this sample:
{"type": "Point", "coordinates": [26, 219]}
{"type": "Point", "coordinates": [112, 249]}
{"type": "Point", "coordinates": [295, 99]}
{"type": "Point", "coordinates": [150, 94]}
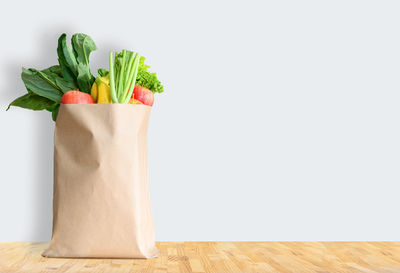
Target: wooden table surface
{"type": "Point", "coordinates": [318, 257]}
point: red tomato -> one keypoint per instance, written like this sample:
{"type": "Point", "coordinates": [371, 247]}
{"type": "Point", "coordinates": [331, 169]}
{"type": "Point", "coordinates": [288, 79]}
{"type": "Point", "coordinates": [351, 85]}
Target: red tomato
{"type": "Point", "coordinates": [76, 97]}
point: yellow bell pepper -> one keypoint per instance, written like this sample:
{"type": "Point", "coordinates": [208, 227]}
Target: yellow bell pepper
{"type": "Point", "coordinates": [133, 101]}
{"type": "Point", "coordinates": [101, 90]}
{"type": "Point", "coordinates": [94, 91]}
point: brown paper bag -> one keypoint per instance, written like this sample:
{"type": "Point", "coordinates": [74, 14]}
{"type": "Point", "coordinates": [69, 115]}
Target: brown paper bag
{"type": "Point", "coordinates": [101, 205]}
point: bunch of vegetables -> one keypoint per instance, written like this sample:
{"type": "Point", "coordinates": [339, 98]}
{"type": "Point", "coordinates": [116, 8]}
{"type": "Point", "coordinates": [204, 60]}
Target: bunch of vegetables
{"type": "Point", "coordinates": [71, 81]}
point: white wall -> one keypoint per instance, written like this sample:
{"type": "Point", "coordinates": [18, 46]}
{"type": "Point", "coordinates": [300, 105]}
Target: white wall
{"type": "Point", "coordinates": [280, 119]}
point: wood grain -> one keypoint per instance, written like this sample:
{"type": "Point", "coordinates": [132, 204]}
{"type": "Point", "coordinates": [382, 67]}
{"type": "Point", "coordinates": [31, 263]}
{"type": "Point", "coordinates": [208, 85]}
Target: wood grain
{"type": "Point", "coordinates": [221, 257]}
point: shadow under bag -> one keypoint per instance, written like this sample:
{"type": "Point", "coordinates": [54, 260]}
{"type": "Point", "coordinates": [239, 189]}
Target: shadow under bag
{"type": "Point", "coordinates": [101, 205]}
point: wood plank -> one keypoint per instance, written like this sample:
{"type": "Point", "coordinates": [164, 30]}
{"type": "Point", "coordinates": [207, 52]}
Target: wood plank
{"type": "Point", "coordinates": [220, 257]}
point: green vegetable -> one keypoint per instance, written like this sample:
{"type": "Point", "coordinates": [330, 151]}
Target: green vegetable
{"type": "Point", "coordinates": [55, 74]}
{"type": "Point", "coordinates": [75, 63]}
{"type": "Point", "coordinates": [102, 73]}
{"type": "Point", "coordinates": [65, 85]}
{"type": "Point", "coordinates": [33, 102]}
{"type": "Point", "coordinates": [84, 79]}
{"type": "Point", "coordinates": [83, 45]}
{"type": "Point", "coordinates": [148, 79]}
{"type": "Point", "coordinates": [41, 84]}
{"type": "Point", "coordinates": [123, 73]}
{"type": "Point", "coordinates": [66, 59]}
{"type": "Point", "coordinates": [54, 111]}
{"type": "Point", "coordinates": [112, 80]}
{"type": "Point", "coordinates": [46, 87]}
{"type": "Point", "coordinates": [144, 77]}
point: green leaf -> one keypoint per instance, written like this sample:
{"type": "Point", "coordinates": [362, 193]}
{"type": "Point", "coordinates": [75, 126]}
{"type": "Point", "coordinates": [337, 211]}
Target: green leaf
{"type": "Point", "coordinates": [33, 102]}
{"type": "Point", "coordinates": [102, 72]}
{"type": "Point", "coordinates": [54, 112]}
{"type": "Point", "coordinates": [82, 45]}
{"type": "Point", "coordinates": [65, 85]}
{"type": "Point", "coordinates": [67, 73]}
{"type": "Point", "coordinates": [84, 78]}
{"type": "Point", "coordinates": [67, 60]}
{"type": "Point", "coordinates": [148, 79]}
{"type": "Point", "coordinates": [55, 74]}
{"type": "Point", "coordinates": [53, 71]}
{"type": "Point", "coordinates": [41, 84]}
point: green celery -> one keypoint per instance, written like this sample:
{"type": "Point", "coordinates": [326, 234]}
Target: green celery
{"type": "Point", "coordinates": [133, 80]}
{"type": "Point", "coordinates": [112, 80]}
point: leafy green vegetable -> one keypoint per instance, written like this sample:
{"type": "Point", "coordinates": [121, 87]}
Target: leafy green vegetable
{"type": "Point", "coordinates": [66, 59]}
{"type": "Point", "coordinates": [65, 85]}
{"type": "Point", "coordinates": [83, 45]}
{"type": "Point", "coordinates": [46, 87]}
{"type": "Point", "coordinates": [53, 71]}
{"type": "Point", "coordinates": [33, 102]}
{"type": "Point", "coordinates": [84, 79]}
{"type": "Point", "coordinates": [55, 74]}
{"type": "Point", "coordinates": [75, 63]}
{"type": "Point", "coordinates": [54, 111]}
{"type": "Point", "coordinates": [148, 79]}
{"type": "Point", "coordinates": [40, 84]}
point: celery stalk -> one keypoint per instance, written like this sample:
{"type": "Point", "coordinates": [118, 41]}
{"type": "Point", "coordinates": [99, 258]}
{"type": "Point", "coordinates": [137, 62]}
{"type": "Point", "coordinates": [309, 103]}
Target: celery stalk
{"type": "Point", "coordinates": [128, 79]}
{"type": "Point", "coordinates": [133, 80]}
{"type": "Point", "coordinates": [123, 73]}
{"type": "Point", "coordinates": [112, 80]}
{"type": "Point", "coordinates": [120, 86]}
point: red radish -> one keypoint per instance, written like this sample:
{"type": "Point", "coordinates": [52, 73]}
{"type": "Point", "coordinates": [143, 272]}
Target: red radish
{"type": "Point", "coordinates": [143, 95]}
{"type": "Point", "coordinates": [76, 97]}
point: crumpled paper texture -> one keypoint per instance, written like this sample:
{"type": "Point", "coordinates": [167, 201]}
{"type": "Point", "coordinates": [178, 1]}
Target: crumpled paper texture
{"type": "Point", "coordinates": [101, 205]}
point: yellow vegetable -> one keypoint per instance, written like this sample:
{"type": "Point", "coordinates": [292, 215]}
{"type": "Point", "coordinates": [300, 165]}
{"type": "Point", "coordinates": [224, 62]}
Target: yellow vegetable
{"type": "Point", "coordinates": [94, 91]}
{"type": "Point", "coordinates": [133, 101]}
{"type": "Point", "coordinates": [104, 92]}
{"type": "Point", "coordinates": [101, 90]}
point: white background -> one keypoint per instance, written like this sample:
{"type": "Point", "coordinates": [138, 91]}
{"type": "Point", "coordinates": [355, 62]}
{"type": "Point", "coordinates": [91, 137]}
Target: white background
{"type": "Point", "coordinates": [279, 120]}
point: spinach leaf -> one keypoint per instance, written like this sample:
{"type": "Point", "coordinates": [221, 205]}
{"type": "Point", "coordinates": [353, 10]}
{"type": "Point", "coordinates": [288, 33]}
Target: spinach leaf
{"type": "Point", "coordinates": [54, 111]}
{"type": "Point", "coordinates": [53, 71]}
{"type": "Point", "coordinates": [66, 59]}
{"type": "Point", "coordinates": [33, 102]}
{"type": "Point", "coordinates": [55, 74]}
{"type": "Point", "coordinates": [41, 84]}
{"type": "Point", "coordinates": [65, 86]}
{"type": "Point", "coordinates": [82, 46]}
{"type": "Point", "coordinates": [84, 78]}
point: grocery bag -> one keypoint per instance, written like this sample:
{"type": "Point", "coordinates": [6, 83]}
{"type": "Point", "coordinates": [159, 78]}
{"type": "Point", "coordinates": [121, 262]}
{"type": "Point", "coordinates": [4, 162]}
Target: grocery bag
{"type": "Point", "coordinates": [101, 205]}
